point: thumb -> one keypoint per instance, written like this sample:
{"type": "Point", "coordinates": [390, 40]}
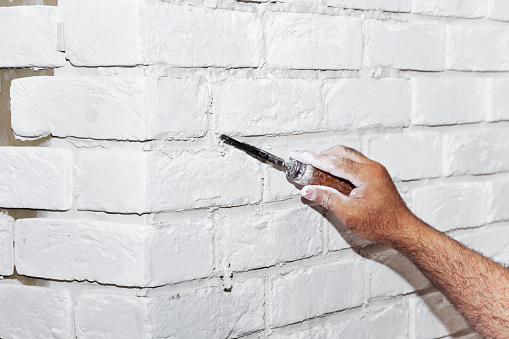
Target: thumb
{"type": "Point", "coordinates": [323, 195]}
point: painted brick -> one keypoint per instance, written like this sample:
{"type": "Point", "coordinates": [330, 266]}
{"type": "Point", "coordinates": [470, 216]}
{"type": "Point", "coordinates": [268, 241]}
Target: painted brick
{"type": "Point", "coordinates": [356, 103]}
{"type": "Point", "coordinates": [390, 6]}
{"type": "Point", "coordinates": [35, 177]}
{"type": "Point", "coordinates": [101, 34]}
{"type": "Point", "coordinates": [339, 237]}
{"type": "Point", "coordinates": [498, 101]}
{"type": "Point", "coordinates": [405, 45]}
{"type": "Point", "coordinates": [477, 48]}
{"type": "Point", "coordinates": [6, 245]}
{"type": "Point", "coordinates": [29, 37]}
{"type": "Point", "coordinates": [312, 291]}
{"type": "Point", "coordinates": [143, 182]}
{"type": "Point", "coordinates": [450, 8]}
{"type": "Point", "coordinates": [193, 36]}
{"type": "Point", "coordinates": [408, 156]}
{"type": "Point", "coordinates": [276, 186]}
{"type": "Point", "coordinates": [448, 101]}
{"type": "Point", "coordinates": [488, 240]}
{"type": "Point", "coordinates": [220, 314]}
{"type": "Point", "coordinates": [392, 274]}
{"type": "Point", "coordinates": [113, 253]}
{"type": "Point", "coordinates": [113, 315]}
{"type": "Point", "coordinates": [312, 41]}
{"type": "Point", "coordinates": [497, 192]}
{"type": "Point", "coordinates": [449, 206]}
{"type": "Point", "coordinates": [476, 152]}
{"type": "Point", "coordinates": [434, 316]}
{"type": "Point", "coordinates": [389, 320]}
{"type": "Point", "coordinates": [109, 107]}
{"type": "Point", "coordinates": [256, 240]}
{"type": "Point", "coordinates": [34, 312]}
{"type": "Point", "coordinates": [266, 106]}
{"type": "Point", "coordinates": [498, 10]}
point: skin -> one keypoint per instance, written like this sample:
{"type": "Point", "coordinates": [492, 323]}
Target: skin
{"type": "Point", "coordinates": [477, 286]}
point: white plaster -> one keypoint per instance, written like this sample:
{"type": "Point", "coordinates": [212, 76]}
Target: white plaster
{"type": "Point", "coordinates": [6, 245]}
{"type": "Point", "coordinates": [29, 36]}
{"type": "Point", "coordinates": [405, 45]}
{"type": "Point", "coordinates": [34, 312]}
{"type": "Point", "coordinates": [122, 108]}
{"type": "Point", "coordinates": [35, 177]}
{"type": "Point", "coordinates": [310, 41]}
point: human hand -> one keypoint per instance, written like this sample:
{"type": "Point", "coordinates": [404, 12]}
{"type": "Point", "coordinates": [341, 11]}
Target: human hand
{"type": "Point", "coordinates": [374, 210]}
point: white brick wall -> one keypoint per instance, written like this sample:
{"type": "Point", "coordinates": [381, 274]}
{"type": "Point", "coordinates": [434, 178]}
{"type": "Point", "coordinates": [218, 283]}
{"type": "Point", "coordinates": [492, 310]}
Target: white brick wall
{"type": "Point", "coordinates": [148, 226]}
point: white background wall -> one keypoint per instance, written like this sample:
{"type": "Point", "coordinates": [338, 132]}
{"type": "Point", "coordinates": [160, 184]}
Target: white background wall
{"type": "Point", "coordinates": [150, 227]}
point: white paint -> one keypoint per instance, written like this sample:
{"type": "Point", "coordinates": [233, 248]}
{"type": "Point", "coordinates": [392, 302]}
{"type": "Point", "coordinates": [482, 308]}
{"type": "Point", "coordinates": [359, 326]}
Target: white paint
{"type": "Point", "coordinates": [309, 41]}
{"type": "Point", "coordinates": [389, 5]}
{"type": "Point", "coordinates": [405, 45]}
{"type": "Point", "coordinates": [6, 245]}
{"type": "Point", "coordinates": [34, 312]}
{"type": "Point", "coordinates": [122, 108]}
{"type": "Point", "coordinates": [28, 37]}
{"type": "Point", "coordinates": [35, 177]}
{"type": "Point", "coordinates": [448, 101]}
{"type": "Point", "coordinates": [420, 151]}
{"type": "Point", "coordinates": [477, 48]}
{"type": "Point", "coordinates": [450, 8]}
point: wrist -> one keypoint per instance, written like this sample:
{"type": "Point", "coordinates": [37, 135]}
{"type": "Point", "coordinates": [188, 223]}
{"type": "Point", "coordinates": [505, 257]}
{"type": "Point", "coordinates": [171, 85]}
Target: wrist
{"type": "Point", "coordinates": [409, 233]}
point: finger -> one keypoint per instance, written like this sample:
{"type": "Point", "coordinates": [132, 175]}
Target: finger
{"type": "Point", "coordinates": [324, 196]}
{"type": "Point", "coordinates": [347, 152]}
{"type": "Point", "coordinates": [341, 167]}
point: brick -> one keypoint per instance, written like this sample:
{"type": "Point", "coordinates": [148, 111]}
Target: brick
{"type": "Point", "coordinates": [498, 10]}
{"type": "Point", "coordinates": [312, 291]}
{"type": "Point", "coordinates": [266, 106]}
{"type": "Point", "coordinates": [257, 240]}
{"type": "Point", "coordinates": [448, 101]}
{"type": "Point", "coordinates": [497, 193]}
{"type": "Point", "coordinates": [29, 37]}
{"type": "Point", "coordinates": [276, 186]}
{"type": "Point", "coordinates": [146, 182]}
{"type": "Point", "coordinates": [476, 152]}
{"type": "Point", "coordinates": [450, 8]}
{"type": "Point", "coordinates": [408, 156]}
{"type": "Point", "coordinates": [392, 274]}
{"type": "Point", "coordinates": [434, 316]}
{"type": "Point", "coordinates": [191, 36]}
{"type": "Point", "coordinates": [477, 48]}
{"type": "Point", "coordinates": [6, 245]}
{"type": "Point", "coordinates": [109, 107]}
{"type": "Point", "coordinates": [339, 237]}
{"type": "Point", "coordinates": [498, 102]}
{"type": "Point", "coordinates": [34, 312]}
{"type": "Point", "coordinates": [450, 206]}
{"type": "Point", "coordinates": [389, 6]}
{"type": "Point", "coordinates": [35, 177]}
{"type": "Point", "coordinates": [113, 253]}
{"type": "Point", "coordinates": [359, 103]}
{"type": "Point", "coordinates": [405, 45]}
{"type": "Point", "coordinates": [112, 315]}
{"type": "Point", "coordinates": [388, 320]}
{"type": "Point", "coordinates": [490, 240]}
{"type": "Point", "coordinates": [101, 34]}
{"type": "Point", "coordinates": [312, 41]}
{"type": "Point", "coordinates": [220, 314]}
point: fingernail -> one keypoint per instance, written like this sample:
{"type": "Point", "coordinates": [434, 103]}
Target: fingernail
{"type": "Point", "coordinates": [308, 193]}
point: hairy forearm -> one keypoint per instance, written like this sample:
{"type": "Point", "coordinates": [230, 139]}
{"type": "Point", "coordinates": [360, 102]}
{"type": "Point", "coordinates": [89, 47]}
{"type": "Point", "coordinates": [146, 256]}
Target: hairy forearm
{"type": "Point", "coordinates": [477, 286]}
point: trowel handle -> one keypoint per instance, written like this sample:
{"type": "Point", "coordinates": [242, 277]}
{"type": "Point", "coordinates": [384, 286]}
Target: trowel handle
{"type": "Point", "coordinates": [308, 175]}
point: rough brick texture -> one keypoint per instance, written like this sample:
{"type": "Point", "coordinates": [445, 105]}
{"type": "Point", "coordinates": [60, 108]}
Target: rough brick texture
{"type": "Point", "coordinates": [6, 245]}
{"type": "Point", "coordinates": [34, 312]}
{"type": "Point", "coordinates": [144, 224]}
{"type": "Point", "coordinates": [109, 107]}
{"type": "Point", "coordinates": [29, 37]}
{"type": "Point", "coordinates": [34, 177]}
